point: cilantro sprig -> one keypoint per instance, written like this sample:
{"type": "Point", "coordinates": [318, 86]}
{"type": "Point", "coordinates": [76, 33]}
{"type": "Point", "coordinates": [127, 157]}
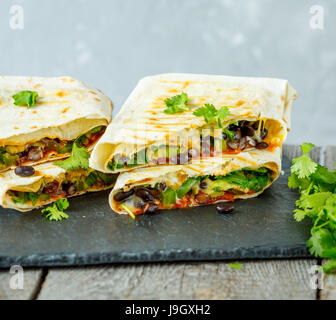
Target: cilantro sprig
{"type": "Point", "coordinates": [317, 187]}
{"type": "Point", "coordinates": [235, 265]}
{"type": "Point", "coordinates": [177, 104]}
{"type": "Point", "coordinates": [210, 113]}
{"type": "Point", "coordinates": [25, 98]}
{"type": "Point", "coordinates": [79, 159]}
{"type": "Point", "coordinates": [56, 211]}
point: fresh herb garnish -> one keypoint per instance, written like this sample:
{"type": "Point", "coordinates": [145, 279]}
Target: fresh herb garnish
{"type": "Point", "coordinates": [235, 265]}
{"type": "Point", "coordinates": [177, 104]}
{"type": "Point", "coordinates": [210, 113]}
{"type": "Point", "coordinates": [79, 159]}
{"type": "Point", "coordinates": [230, 134]}
{"type": "Point", "coordinates": [56, 211]}
{"type": "Point", "coordinates": [25, 98]}
{"type": "Point", "coordinates": [317, 187]}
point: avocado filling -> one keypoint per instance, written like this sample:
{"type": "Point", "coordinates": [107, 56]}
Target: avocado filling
{"type": "Point", "coordinates": [73, 182]}
{"type": "Point", "coordinates": [194, 191]}
{"type": "Point", "coordinates": [19, 155]}
{"type": "Point", "coordinates": [235, 138]}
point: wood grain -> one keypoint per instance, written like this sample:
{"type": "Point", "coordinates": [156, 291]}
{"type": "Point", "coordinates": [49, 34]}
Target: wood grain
{"type": "Point", "coordinates": [283, 279]}
{"type": "Point", "coordinates": [268, 279]}
{"type": "Point", "coordinates": [329, 284]}
{"type": "Point", "coordinates": [30, 285]}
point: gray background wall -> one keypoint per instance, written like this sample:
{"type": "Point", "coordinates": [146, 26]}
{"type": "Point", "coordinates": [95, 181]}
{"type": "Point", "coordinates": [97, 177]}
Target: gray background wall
{"type": "Point", "coordinates": [112, 43]}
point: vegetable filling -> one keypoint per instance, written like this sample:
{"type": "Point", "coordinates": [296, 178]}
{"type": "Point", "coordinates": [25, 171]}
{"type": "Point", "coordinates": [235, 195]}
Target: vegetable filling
{"type": "Point", "coordinates": [19, 155]}
{"type": "Point", "coordinates": [234, 138]}
{"type": "Point", "coordinates": [73, 182]}
{"type": "Point", "coordinates": [193, 191]}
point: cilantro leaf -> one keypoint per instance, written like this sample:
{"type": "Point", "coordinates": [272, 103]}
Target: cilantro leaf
{"type": "Point", "coordinates": [56, 211]}
{"type": "Point", "coordinates": [25, 98]}
{"type": "Point", "coordinates": [210, 113]}
{"type": "Point", "coordinates": [293, 181]}
{"type": "Point", "coordinates": [79, 159]}
{"type": "Point", "coordinates": [320, 240]}
{"type": "Point", "coordinates": [306, 147]}
{"type": "Point", "coordinates": [299, 215]}
{"type": "Point", "coordinates": [177, 104]}
{"type": "Point", "coordinates": [235, 265]}
{"type": "Point", "coordinates": [303, 166]}
{"type": "Point", "coordinates": [330, 266]}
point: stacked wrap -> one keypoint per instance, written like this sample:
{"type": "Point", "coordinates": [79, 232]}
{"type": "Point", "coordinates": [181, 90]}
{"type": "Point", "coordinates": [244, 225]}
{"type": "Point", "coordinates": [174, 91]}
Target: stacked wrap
{"type": "Point", "coordinates": [37, 135]}
{"type": "Point", "coordinates": [143, 125]}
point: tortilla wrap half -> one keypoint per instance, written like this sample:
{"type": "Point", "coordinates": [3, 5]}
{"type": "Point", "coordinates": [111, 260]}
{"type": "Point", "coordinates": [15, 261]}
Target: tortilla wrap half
{"type": "Point", "coordinates": [65, 109]}
{"type": "Point", "coordinates": [142, 126]}
{"type": "Point", "coordinates": [205, 181]}
{"type": "Point", "coordinates": [48, 184]}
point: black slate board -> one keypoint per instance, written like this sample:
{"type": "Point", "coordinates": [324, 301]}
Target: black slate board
{"type": "Point", "coordinates": [260, 228]}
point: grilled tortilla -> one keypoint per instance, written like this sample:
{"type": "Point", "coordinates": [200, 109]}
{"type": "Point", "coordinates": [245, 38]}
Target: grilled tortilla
{"type": "Point", "coordinates": [143, 134]}
{"type": "Point", "coordinates": [48, 184]}
{"type": "Point", "coordinates": [65, 110]}
{"type": "Point", "coordinates": [205, 181]}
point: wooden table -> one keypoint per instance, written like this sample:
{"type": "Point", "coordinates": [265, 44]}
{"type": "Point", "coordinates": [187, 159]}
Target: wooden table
{"type": "Point", "coordinates": [262, 279]}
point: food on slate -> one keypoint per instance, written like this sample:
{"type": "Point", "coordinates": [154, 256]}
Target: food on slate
{"type": "Point", "coordinates": [177, 118]}
{"type": "Point", "coordinates": [48, 184]}
{"type": "Point", "coordinates": [42, 117]}
{"type": "Point", "coordinates": [204, 182]}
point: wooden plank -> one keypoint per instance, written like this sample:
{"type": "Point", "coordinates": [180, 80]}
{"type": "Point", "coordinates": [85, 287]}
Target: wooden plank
{"type": "Point", "coordinates": [269, 279]}
{"type": "Point", "coordinates": [10, 290]}
{"type": "Point", "coordinates": [329, 284]}
{"type": "Point", "coordinates": [285, 279]}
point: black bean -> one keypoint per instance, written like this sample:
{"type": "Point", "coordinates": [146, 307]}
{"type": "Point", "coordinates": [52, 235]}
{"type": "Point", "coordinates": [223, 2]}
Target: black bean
{"type": "Point", "coordinates": [71, 190]}
{"type": "Point", "coordinates": [35, 153]}
{"type": "Point", "coordinates": [262, 145]}
{"type": "Point", "coordinates": [233, 144]}
{"type": "Point", "coordinates": [52, 188]}
{"type": "Point", "coordinates": [144, 194]}
{"type": "Point", "coordinates": [251, 141]}
{"type": "Point", "coordinates": [155, 193]}
{"type": "Point", "coordinates": [139, 203]}
{"type": "Point", "coordinates": [162, 186]}
{"type": "Point", "coordinates": [224, 208]}
{"type": "Point", "coordinates": [243, 123]}
{"type": "Point", "coordinates": [264, 134]}
{"type": "Point", "coordinates": [152, 208]}
{"type": "Point", "coordinates": [237, 134]}
{"type": "Point", "coordinates": [224, 135]}
{"type": "Point", "coordinates": [121, 195]}
{"type": "Point", "coordinates": [255, 125]}
{"type": "Point", "coordinates": [24, 171]}
{"type": "Point", "coordinates": [232, 127]}
{"type": "Point", "coordinates": [247, 131]}
{"type": "Point", "coordinates": [203, 185]}
{"type": "Point", "coordinates": [243, 143]}
{"type": "Point", "coordinates": [22, 154]}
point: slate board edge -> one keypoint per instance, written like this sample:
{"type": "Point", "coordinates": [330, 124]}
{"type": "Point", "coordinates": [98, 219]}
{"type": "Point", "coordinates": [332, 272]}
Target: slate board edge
{"type": "Point", "coordinates": [173, 255]}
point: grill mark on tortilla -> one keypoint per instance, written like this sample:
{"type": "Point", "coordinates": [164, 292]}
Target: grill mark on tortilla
{"type": "Point", "coordinates": [53, 102]}
{"type": "Point", "coordinates": [65, 110]}
{"type": "Point", "coordinates": [193, 169]}
{"type": "Point", "coordinates": [253, 163]}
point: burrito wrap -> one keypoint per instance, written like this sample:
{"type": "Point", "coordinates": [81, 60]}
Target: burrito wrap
{"type": "Point", "coordinates": [142, 121]}
{"type": "Point", "coordinates": [174, 175]}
